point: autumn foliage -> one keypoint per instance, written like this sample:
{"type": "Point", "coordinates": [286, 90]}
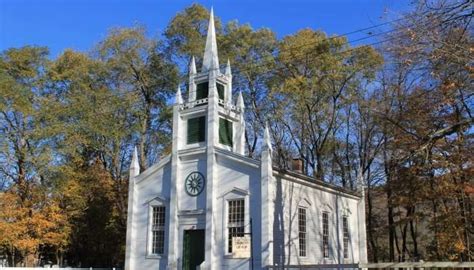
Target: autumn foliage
{"type": "Point", "coordinates": [394, 119]}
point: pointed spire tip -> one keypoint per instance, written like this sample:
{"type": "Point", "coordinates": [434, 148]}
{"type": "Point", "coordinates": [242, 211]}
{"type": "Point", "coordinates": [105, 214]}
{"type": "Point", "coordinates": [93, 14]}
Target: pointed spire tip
{"type": "Point", "coordinates": [211, 60]}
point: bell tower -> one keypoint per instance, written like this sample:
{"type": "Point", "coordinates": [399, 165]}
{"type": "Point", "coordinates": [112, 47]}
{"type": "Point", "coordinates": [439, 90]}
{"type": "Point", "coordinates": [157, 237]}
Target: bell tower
{"type": "Point", "coordinates": [221, 121]}
{"type": "Point", "coordinates": [207, 122]}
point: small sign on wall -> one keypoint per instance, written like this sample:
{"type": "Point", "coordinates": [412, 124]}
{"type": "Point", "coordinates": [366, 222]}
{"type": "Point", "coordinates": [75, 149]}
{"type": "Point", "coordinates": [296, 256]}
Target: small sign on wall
{"type": "Point", "coordinates": [241, 246]}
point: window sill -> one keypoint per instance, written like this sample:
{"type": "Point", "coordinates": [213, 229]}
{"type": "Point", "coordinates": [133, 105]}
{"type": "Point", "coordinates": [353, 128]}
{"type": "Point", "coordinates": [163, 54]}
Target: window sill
{"type": "Point", "coordinates": [226, 147]}
{"type": "Point", "coordinates": [230, 256]}
{"type": "Point", "coordinates": [195, 144]}
{"type": "Point", "coordinates": [154, 256]}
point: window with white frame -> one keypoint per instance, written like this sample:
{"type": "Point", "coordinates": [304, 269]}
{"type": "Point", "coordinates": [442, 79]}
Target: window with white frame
{"type": "Point", "coordinates": [302, 231]}
{"type": "Point", "coordinates": [235, 221]}
{"type": "Point", "coordinates": [158, 230]}
{"type": "Point", "coordinates": [345, 235]}
{"type": "Point", "coordinates": [325, 243]}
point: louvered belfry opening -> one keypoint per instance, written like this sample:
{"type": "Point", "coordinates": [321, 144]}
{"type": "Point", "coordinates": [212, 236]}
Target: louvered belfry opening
{"type": "Point", "coordinates": [196, 130]}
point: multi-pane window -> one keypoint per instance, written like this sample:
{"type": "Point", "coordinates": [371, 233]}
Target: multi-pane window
{"type": "Point", "coordinates": [202, 90]}
{"type": "Point", "coordinates": [225, 132]}
{"type": "Point", "coordinates": [220, 90]}
{"type": "Point", "coordinates": [302, 231]}
{"type": "Point", "coordinates": [235, 221]}
{"type": "Point", "coordinates": [325, 244]}
{"type": "Point", "coordinates": [158, 230]}
{"type": "Point", "coordinates": [345, 235]}
{"type": "Point", "coordinates": [196, 129]}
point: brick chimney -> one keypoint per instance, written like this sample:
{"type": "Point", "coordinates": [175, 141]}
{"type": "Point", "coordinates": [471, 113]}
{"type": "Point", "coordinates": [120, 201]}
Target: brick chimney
{"type": "Point", "coordinates": [297, 165]}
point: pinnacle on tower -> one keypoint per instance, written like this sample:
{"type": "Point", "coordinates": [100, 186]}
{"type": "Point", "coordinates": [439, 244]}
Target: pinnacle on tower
{"type": "Point", "coordinates": [192, 67]}
{"type": "Point", "coordinates": [134, 165]}
{"type": "Point", "coordinates": [228, 71]}
{"type": "Point", "coordinates": [266, 138]}
{"type": "Point", "coordinates": [211, 59]}
{"type": "Point", "coordinates": [178, 98]}
{"type": "Point", "coordinates": [240, 101]}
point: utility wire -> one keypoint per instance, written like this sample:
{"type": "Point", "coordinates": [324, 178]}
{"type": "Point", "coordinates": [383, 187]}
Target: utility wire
{"type": "Point", "coordinates": [299, 55]}
{"type": "Point", "coordinates": [272, 57]}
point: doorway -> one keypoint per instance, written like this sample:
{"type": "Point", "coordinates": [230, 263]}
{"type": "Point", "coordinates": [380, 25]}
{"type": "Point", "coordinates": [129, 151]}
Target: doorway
{"type": "Point", "coordinates": [193, 248]}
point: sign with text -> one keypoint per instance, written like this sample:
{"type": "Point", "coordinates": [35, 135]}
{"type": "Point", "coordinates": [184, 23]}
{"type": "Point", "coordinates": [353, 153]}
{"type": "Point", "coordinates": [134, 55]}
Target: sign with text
{"type": "Point", "coordinates": [241, 246]}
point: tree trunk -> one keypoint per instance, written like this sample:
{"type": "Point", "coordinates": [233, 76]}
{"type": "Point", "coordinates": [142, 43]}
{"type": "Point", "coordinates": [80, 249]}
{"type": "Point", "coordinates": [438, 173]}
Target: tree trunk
{"type": "Point", "coordinates": [414, 239]}
{"type": "Point", "coordinates": [370, 228]}
{"type": "Point", "coordinates": [319, 174]}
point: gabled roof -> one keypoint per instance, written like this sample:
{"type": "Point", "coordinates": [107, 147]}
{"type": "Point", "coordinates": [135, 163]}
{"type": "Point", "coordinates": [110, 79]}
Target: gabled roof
{"type": "Point", "coordinates": [311, 181]}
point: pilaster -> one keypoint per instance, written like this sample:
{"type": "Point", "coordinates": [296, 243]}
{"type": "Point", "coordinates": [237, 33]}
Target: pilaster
{"type": "Point", "coordinates": [267, 201]}
{"type": "Point", "coordinates": [192, 83]}
{"type": "Point", "coordinates": [212, 252]}
{"type": "Point", "coordinates": [228, 88]}
{"type": "Point", "coordinates": [362, 228]}
{"type": "Point", "coordinates": [132, 197]}
{"type": "Point", "coordinates": [175, 181]}
{"type": "Point", "coordinates": [239, 136]}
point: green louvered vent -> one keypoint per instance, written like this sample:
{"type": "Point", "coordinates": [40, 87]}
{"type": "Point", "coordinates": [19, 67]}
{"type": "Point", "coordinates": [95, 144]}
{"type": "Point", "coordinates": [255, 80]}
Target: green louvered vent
{"type": "Point", "coordinates": [196, 129]}
{"type": "Point", "coordinates": [220, 91]}
{"type": "Point", "coordinates": [225, 132]}
{"type": "Point", "coordinates": [202, 90]}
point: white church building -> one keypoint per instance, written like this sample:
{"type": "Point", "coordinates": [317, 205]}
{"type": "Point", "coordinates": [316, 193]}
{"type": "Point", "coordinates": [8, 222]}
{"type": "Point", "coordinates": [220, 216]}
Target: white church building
{"type": "Point", "coordinates": [209, 206]}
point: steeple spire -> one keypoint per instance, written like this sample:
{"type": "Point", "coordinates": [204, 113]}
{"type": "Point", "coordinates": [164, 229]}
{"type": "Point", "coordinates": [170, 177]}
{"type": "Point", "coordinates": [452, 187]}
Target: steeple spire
{"type": "Point", "coordinates": [211, 59]}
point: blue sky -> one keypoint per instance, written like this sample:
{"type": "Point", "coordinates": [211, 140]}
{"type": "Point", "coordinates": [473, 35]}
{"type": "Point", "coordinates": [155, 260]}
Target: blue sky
{"type": "Point", "coordinates": [80, 24]}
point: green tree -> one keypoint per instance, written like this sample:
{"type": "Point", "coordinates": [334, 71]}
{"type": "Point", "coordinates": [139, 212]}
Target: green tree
{"type": "Point", "coordinates": [186, 34]}
{"type": "Point", "coordinates": [25, 156]}
{"type": "Point", "coordinates": [316, 79]}
{"type": "Point", "coordinates": [250, 52]}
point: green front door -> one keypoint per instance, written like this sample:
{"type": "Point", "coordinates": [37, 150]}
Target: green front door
{"type": "Point", "coordinates": [193, 249]}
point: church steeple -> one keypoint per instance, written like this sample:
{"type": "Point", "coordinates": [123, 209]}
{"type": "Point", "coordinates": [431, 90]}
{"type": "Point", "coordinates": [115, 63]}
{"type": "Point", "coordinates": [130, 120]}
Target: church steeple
{"type": "Point", "coordinates": [210, 61]}
{"type": "Point", "coordinates": [222, 122]}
